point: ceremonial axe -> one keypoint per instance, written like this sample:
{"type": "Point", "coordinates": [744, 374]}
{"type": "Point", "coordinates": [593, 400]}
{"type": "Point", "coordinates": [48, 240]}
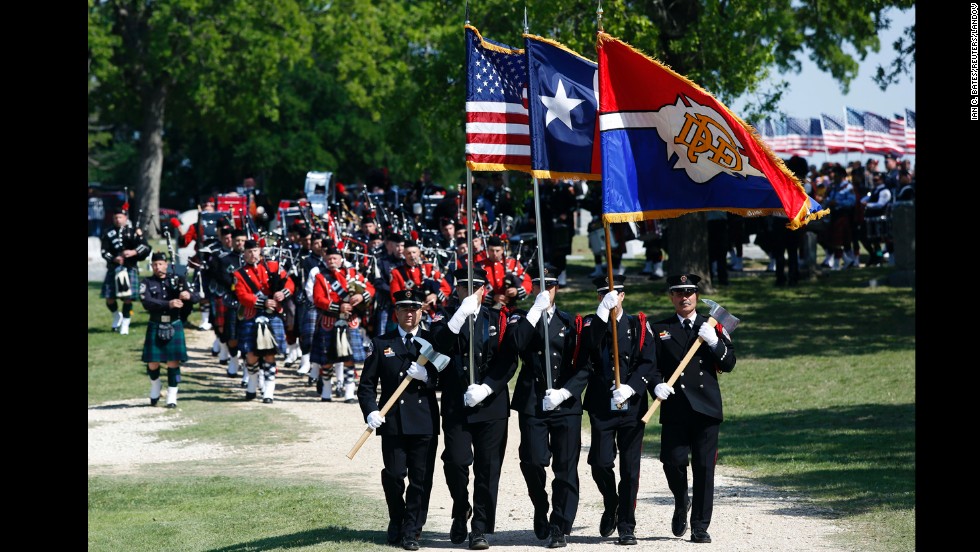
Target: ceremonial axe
{"type": "Point", "coordinates": [427, 355]}
{"type": "Point", "coordinates": [717, 315]}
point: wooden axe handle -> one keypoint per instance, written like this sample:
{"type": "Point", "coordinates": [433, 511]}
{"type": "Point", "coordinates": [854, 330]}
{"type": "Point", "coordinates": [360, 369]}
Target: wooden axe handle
{"type": "Point", "coordinates": [384, 409]}
{"type": "Point", "coordinates": [680, 368]}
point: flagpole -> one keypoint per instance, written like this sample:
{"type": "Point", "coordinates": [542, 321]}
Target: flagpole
{"type": "Point", "coordinates": [609, 266]}
{"type": "Point", "coordinates": [613, 313]}
{"type": "Point", "coordinates": [469, 265]}
{"type": "Point", "coordinates": [542, 285]}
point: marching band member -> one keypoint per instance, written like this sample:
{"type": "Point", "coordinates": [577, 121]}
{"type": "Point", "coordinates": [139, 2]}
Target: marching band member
{"type": "Point", "coordinates": [122, 248]}
{"type": "Point", "coordinates": [423, 277]}
{"type": "Point", "coordinates": [341, 296]}
{"type": "Point", "coordinates": [261, 287]}
{"type": "Point", "coordinates": [505, 275]}
{"type": "Point", "coordinates": [163, 296]}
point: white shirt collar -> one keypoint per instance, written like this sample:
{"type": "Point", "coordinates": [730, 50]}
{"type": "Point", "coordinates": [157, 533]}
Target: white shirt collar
{"type": "Point", "coordinates": [694, 315]}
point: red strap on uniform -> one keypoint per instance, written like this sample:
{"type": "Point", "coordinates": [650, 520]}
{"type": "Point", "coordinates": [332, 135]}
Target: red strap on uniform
{"type": "Point", "coordinates": [503, 324]}
{"type": "Point", "coordinates": [643, 328]}
{"type": "Point", "coordinates": [578, 342]}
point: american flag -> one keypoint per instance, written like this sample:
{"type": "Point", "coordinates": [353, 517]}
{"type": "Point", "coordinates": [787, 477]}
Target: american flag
{"type": "Point", "coordinates": [833, 133]}
{"type": "Point", "coordinates": [774, 135]}
{"type": "Point", "coordinates": [815, 140]}
{"type": "Point", "coordinates": [797, 136]}
{"type": "Point", "coordinates": [909, 131]}
{"type": "Point", "coordinates": [853, 129]}
{"type": "Point", "coordinates": [497, 131]}
{"type": "Point", "coordinates": [878, 135]}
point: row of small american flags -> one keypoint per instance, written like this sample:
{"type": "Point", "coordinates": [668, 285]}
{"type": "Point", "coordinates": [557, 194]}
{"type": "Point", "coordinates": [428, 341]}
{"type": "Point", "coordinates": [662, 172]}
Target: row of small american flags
{"type": "Point", "coordinates": [852, 131]}
{"type": "Point", "coordinates": [660, 144]}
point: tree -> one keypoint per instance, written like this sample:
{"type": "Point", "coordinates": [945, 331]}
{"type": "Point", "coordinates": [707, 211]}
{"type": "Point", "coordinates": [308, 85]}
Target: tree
{"type": "Point", "coordinates": [208, 64]}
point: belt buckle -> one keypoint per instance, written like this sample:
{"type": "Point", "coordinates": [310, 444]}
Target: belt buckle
{"type": "Point", "coordinates": [165, 318]}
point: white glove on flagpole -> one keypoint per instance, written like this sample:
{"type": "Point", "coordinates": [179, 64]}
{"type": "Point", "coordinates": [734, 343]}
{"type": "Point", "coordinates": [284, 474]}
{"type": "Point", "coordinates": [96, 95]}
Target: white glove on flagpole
{"type": "Point", "coordinates": [475, 393]}
{"type": "Point", "coordinates": [541, 303]}
{"type": "Point", "coordinates": [375, 419]}
{"type": "Point", "coordinates": [417, 371]}
{"type": "Point", "coordinates": [608, 303]}
{"type": "Point", "coordinates": [622, 393]}
{"type": "Point", "coordinates": [554, 397]}
{"type": "Point", "coordinates": [467, 307]}
{"type": "Point", "coordinates": [663, 391]}
{"type": "Point", "coordinates": [708, 334]}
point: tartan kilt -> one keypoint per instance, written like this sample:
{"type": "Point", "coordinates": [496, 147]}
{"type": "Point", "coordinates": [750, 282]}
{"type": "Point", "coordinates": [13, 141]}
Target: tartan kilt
{"type": "Point", "coordinates": [324, 350]}
{"type": "Point", "coordinates": [247, 331]}
{"type": "Point", "coordinates": [307, 327]}
{"type": "Point", "coordinates": [155, 350]}
{"type": "Point", "coordinates": [225, 319]}
{"type": "Point", "coordinates": [109, 284]}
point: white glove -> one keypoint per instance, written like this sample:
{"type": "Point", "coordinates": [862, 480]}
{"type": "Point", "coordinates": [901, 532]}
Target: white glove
{"type": "Point", "coordinates": [375, 419]}
{"type": "Point", "coordinates": [708, 334]}
{"type": "Point", "coordinates": [623, 393]}
{"type": "Point", "coordinates": [467, 307]}
{"type": "Point", "coordinates": [662, 391]}
{"type": "Point", "coordinates": [543, 301]}
{"type": "Point", "coordinates": [554, 397]}
{"type": "Point", "coordinates": [417, 371]}
{"type": "Point", "coordinates": [475, 393]}
{"type": "Point", "coordinates": [608, 303]}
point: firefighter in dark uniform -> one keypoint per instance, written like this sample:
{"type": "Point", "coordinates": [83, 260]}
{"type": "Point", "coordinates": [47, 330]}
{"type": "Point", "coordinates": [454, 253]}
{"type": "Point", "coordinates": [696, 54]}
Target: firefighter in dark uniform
{"type": "Point", "coordinates": [163, 295]}
{"type": "Point", "coordinates": [474, 415]}
{"type": "Point", "coordinates": [123, 247]}
{"type": "Point", "coordinates": [615, 413]}
{"type": "Point", "coordinates": [692, 411]}
{"type": "Point", "coordinates": [410, 430]}
{"type": "Point", "coordinates": [549, 413]}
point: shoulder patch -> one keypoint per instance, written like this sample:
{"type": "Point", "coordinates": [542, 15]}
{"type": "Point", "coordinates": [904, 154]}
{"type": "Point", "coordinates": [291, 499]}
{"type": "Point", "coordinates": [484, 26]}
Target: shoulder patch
{"type": "Point", "coordinates": [513, 318]}
{"type": "Point", "coordinates": [588, 322]}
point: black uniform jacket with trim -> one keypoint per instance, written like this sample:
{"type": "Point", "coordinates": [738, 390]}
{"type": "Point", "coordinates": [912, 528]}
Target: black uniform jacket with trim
{"type": "Point", "coordinates": [636, 365]}
{"type": "Point", "coordinates": [456, 377]}
{"type": "Point", "coordinates": [696, 389]}
{"type": "Point", "coordinates": [417, 410]}
{"type": "Point", "coordinates": [525, 342]}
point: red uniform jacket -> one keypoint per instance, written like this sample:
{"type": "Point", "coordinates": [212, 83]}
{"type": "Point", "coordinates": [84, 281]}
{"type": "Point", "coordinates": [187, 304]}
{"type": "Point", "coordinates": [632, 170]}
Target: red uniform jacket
{"type": "Point", "coordinates": [504, 274]}
{"type": "Point", "coordinates": [420, 277]}
{"type": "Point", "coordinates": [330, 290]}
{"type": "Point", "coordinates": [259, 277]}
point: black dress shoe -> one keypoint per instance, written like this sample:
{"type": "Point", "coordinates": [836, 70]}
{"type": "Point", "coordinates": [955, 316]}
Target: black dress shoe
{"type": "Point", "coordinates": [409, 543]}
{"type": "Point", "coordinates": [153, 402]}
{"type": "Point", "coordinates": [267, 400]}
{"type": "Point", "coordinates": [244, 384]}
{"type": "Point", "coordinates": [171, 405]}
{"type": "Point", "coordinates": [478, 542]}
{"type": "Point", "coordinates": [249, 396]}
{"type": "Point", "coordinates": [457, 533]}
{"type": "Point", "coordinates": [679, 523]}
{"type": "Point", "coordinates": [541, 523]}
{"type": "Point", "coordinates": [607, 524]}
{"type": "Point", "coordinates": [557, 538]}
{"type": "Point", "coordinates": [700, 535]}
{"type": "Point", "coordinates": [350, 401]}
{"type": "Point", "coordinates": [627, 539]}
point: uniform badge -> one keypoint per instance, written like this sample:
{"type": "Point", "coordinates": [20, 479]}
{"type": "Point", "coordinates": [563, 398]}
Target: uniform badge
{"type": "Point", "coordinates": [437, 317]}
{"type": "Point", "coordinates": [513, 318]}
{"type": "Point", "coordinates": [492, 331]}
{"type": "Point", "coordinates": [561, 332]}
{"type": "Point", "coordinates": [389, 352]}
{"type": "Point", "coordinates": [664, 334]}
{"type": "Point", "coordinates": [142, 288]}
{"type": "Point", "coordinates": [588, 322]}
{"type": "Point", "coordinates": [409, 285]}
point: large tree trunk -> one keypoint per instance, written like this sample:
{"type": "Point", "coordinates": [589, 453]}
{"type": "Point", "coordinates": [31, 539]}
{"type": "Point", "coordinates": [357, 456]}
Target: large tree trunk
{"type": "Point", "coordinates": [151, 159]}
{"type": "Point", "coordinates": [687, 248]}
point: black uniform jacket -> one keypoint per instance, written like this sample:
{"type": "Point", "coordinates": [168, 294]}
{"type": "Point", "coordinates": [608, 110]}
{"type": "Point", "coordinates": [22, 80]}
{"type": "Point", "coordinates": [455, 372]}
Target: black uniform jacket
{"type": "Point", "coordinates": [636, 365]}
{"type": "Point", "coordinates": [456, 377]}
{"type": "Point", "coordinates": [697, 386]}
{"type": "Point", "coordinates": [416, 412]}
{"type": "Point", "coordinates": [526, 342]}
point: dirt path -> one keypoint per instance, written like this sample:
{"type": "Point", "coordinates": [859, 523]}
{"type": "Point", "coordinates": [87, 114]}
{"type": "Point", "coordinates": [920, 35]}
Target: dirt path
{"type": "Point", "coordinates": [747, 516]}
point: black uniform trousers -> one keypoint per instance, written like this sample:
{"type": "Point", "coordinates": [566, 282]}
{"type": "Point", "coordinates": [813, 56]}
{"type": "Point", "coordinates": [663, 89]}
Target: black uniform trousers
{"type": "Point", "coordinates": [482, 445]}
{"type": "Point", "coordinates": [413, 456]}
{"type": "Point", "coordinates": [625, 434]}
{"type": "Point", "coordinates": [541, 439]}
{"type": "Point", "coordinates": [699, 439]}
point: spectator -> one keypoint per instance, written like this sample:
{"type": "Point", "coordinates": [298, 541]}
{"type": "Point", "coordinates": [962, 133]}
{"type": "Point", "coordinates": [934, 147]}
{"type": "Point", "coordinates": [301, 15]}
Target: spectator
{"type": "Point", "coordinates": [96, 213]}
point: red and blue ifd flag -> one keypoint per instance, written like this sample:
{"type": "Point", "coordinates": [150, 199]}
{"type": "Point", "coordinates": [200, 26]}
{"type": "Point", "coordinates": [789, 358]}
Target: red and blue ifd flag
{"type": "Point", "coordinates": [670, 148]}
{"type": "Point", "coordinates": [563, 102]}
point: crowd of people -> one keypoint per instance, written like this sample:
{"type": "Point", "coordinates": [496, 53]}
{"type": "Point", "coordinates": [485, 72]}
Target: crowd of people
{"type": "Point", "coordinates": [352, 295]}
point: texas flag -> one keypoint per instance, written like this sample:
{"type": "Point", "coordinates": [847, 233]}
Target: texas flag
{"type": "Point", "coordinates": [670, 148]}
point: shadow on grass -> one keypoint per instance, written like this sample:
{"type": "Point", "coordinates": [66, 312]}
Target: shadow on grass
{"type": "Point", "coordinates": [330, 534]}
{"type": "Point", "coordinates": [854, 459]}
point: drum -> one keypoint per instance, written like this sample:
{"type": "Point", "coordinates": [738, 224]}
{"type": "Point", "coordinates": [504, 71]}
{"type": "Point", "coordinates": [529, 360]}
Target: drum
{"type": "Point", "coordinates": [650, 230]}
{"type": "Point", "coordinates": [878, 228]}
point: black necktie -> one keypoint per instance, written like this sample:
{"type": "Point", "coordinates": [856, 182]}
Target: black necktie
{"type": "Point", "coordinates": [687, 328]}
{"type": "Point", "coordinates": [409, 344]}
